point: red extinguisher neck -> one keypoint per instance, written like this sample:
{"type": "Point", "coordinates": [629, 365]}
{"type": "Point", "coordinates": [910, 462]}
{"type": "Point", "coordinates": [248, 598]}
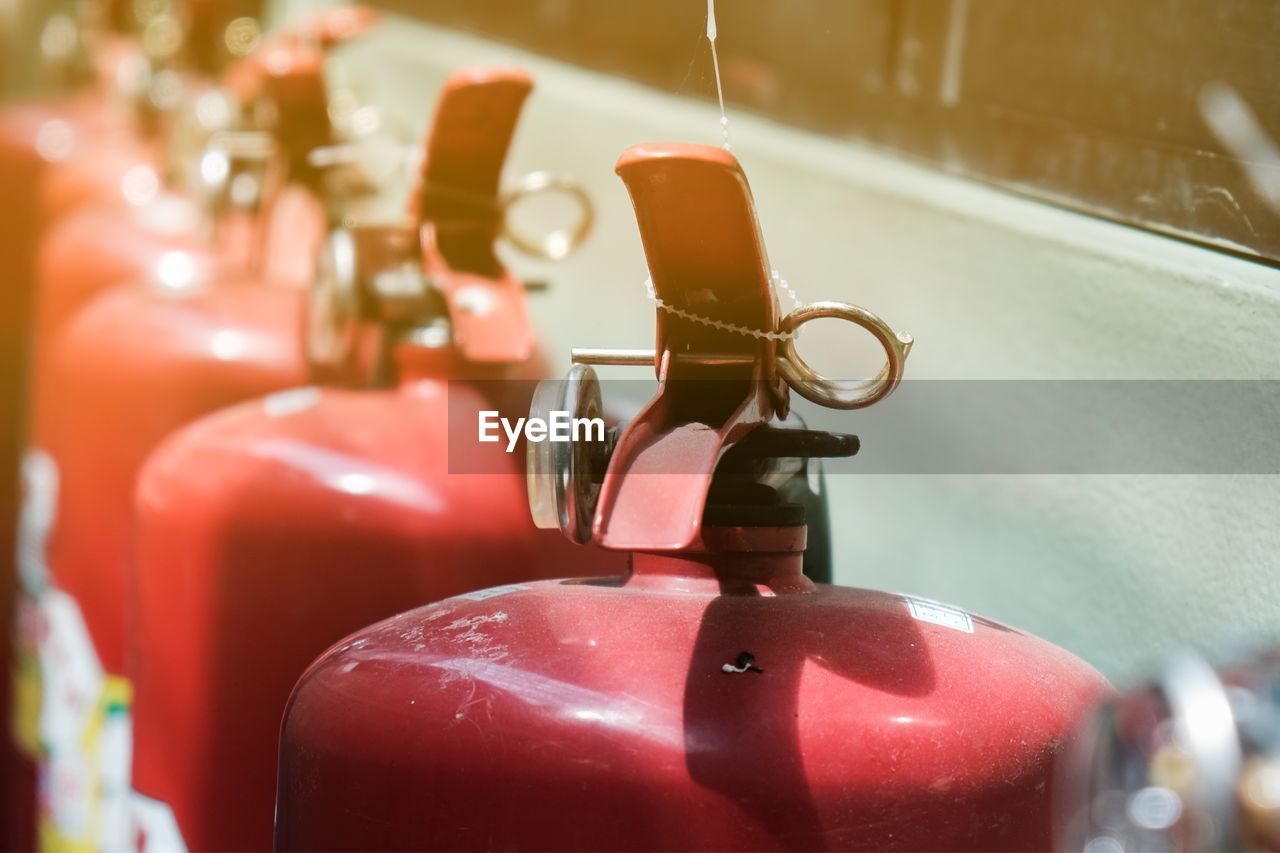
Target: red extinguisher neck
{"type": "Point", "coordinates": [736, 560]}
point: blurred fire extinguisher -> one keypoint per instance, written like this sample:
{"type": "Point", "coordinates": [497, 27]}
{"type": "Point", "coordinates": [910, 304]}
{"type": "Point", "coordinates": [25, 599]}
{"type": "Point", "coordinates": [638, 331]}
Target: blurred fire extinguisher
{"type": "Point", "coordinates": [256, 204]}
{"type": "Point", "coordinates": [1189, 761]}
{"type": "Point", "coordinates": [715, 698]}
{"type": "Point", "coordinates": [87, 122]}
{"type": "Point", "coordinates": [332, 508]}
{"type": "Point", "coordinates": [164, 359]}
{"type": "Point", "coordinates": [135, 363]}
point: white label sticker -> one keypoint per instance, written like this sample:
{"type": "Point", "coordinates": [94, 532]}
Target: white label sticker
{"type": "Point", "coordinates": [494, 592]}
{"type": "Point", "coordinates": [939, 614]}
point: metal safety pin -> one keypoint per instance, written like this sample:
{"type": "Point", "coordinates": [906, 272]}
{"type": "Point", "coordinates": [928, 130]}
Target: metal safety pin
{"type": "Point", "coordinates": [558, 244]}
{"type": "Point", "coordinates": [803, 379]}
{"type": "Point", "coordinates": [554, 246]}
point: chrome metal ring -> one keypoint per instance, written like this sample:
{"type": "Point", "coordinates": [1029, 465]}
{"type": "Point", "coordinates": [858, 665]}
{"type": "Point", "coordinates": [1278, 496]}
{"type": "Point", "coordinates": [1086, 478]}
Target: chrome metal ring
{"type": "Point", "coordinates": [834, 393]}
{"type": "Point", "coordinates": [562, 242]}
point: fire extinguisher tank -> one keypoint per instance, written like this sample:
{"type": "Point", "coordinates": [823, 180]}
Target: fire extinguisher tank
{"type": "Point", "coordinates": [330, 510]}
{"type": "Point", "coordinates": [715, 698]}
{"type": "Point", "coordinates": [220, 345]}
{"type": "Point", "coordinates": [320, 510]}
{"type": "Point", "coordinates": [200, 327]}
{"type": "Point", "coordinates": [209, 226]}
{"type": "Point", "coordinates": [599, 715]}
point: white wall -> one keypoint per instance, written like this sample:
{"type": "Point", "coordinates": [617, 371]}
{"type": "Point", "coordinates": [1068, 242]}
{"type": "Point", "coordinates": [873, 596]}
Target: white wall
{"type": "Point", "coordinates": [992, 286]}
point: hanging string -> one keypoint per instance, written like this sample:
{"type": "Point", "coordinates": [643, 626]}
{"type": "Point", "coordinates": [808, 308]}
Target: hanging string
{"type": "Point", "coordinates": [715, 61]}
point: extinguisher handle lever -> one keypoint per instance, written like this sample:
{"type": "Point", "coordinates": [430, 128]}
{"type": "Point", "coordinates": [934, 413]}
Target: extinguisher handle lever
{"type": "Point", "coordinates": [461, 213]}
{"type": "Point", "coordinates": [297, 90]}
{"type": "Point", "coordinates": [725, 357]}
{"type": "Point", "coordinates": [705, 253]}
{"type": "Point", "coordinates": [286, 72]}
{"type": "Point", "coordinates": [296, 48]}
{"type": "Point", "coordinates": [706, 256]}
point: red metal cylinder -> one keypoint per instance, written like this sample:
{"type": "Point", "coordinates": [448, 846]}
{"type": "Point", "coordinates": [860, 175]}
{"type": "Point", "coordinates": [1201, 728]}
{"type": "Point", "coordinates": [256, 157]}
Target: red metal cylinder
{"type": "Point", "coordinates": [55, 156]}
{"type": "Point", "coordinates": [144, 361]}
{"type": "Point", "coordinates": [164, 243]}
{"type": "Point", "coordinates": [135, 364]}
{"type": "Point", "coordinates": [111, 167]}
{"type": "Point", "coordinates": [192, 331]}
{"type": "Point", "coordinates": [150, 232]}
{"type": "Point", "coordinates": [35, 139]}
{"type": "Point", "coordinates": [715, 698]}
{"type": "Point", "coordinates": [332, 508]}
{"type": "Point", "coordinates": [169, 241]}
{"type": "Point", "coordinates": [128, 231]}
{"type": "Point", "coordinates": [329, 510]}
{"type": "Point", "coordinates": [598, 715]}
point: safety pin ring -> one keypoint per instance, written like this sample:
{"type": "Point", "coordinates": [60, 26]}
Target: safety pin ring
{"type": "Point", "coordinates": [832, 393]}
{"type": "Point", "coordinates": [561, 243]}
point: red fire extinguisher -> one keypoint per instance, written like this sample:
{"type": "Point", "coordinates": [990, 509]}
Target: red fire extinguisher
{"type": "Point", "coordinates": [215, 227]}
{"type": "Point", "coordinates": [334, 508]}
{"type": "Point", "coordinates": [1188, 762]}
{"type": "Point", "coordinates": [175, 104]}
{"type": "Point", "coordinates": [136, 362]}
{"type": "Point", "coordinates": [78, 139]}
{"type": "Point", "coordinates": [152, 65]}
{"type": "Point", "coordinates": [715, 698]}
{"type": "Point", "coordinates": [145, 362]}
{"type": "Point", "coordinates": [167, 228]}
{"type": "Point", "coordinates": [107, 141]}
{"type": "Point", "coordinates": [86, 145]}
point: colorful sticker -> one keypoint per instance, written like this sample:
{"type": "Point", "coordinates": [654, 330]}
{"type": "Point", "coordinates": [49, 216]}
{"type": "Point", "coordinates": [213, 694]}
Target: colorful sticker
{"type": "Point", "coordinates": [70, 716]}
{"type": "Point", "coordinates": [35, 524]}
{"type": "Point", "coordinates": [85, 736]}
